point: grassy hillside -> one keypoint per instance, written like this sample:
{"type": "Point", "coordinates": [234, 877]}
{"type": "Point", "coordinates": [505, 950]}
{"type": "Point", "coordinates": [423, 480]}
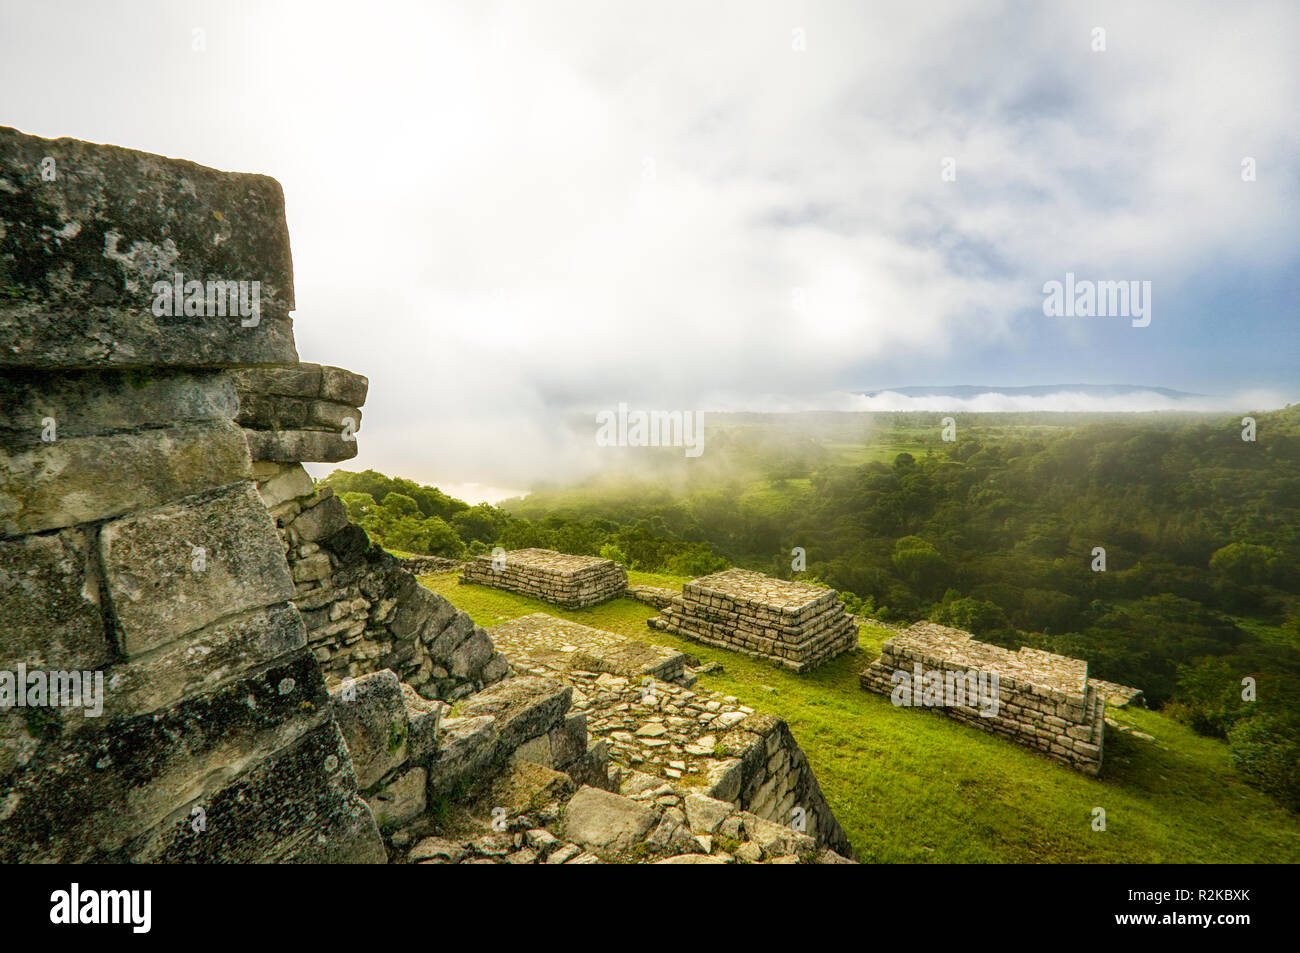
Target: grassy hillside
{"type": "Point", "coordinates": [913, 786]}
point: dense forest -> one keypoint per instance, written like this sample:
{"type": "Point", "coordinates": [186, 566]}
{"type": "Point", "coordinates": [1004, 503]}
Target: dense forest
{"type": "Point", "coordinates": [1000, 532]}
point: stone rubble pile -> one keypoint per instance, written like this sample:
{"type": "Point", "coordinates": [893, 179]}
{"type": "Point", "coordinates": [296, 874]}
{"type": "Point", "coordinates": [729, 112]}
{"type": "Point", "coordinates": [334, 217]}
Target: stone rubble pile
{"type": "Point", "coordinates": [571, 582]}
{"type": "Point", "coordinates": [1044, 701]}
{"type": "Point", "coordinates": [412, 754]}
{"type": "Point", "coordinates": [796, 624]}
{"type": "Point", "coordinates": [681, 738]}
{"type": "Point", "coordinates": [594, 826]}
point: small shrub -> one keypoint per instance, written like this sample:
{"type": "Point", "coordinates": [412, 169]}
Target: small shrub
{"type": "Point", "coordinates": [1265, 748]}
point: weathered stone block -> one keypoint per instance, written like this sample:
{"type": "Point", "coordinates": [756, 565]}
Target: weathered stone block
{"type": "Point", "coordinates": [82, 254]}
{"type": "Point", "coordinates": [342, 386]}
{"type": "Point", "coordinates": [204, 661]}
{"type": "Point", "coordinates": [471, 655]}
{"type": "Point", "coordinates": [465, 747]}
{"type": "Point", "coordinates": [372, 715]}
{"type": "Point", "coordinates": [50, 615]}
{"type": "Point", "coordinates": [83, 795]}
{"type": "Point", "coordinates": [424, 717]}
{"type": "Point", "coordinates": [312, 568]}
{"type": "Point", "coordinates": [291, 482]}
{"type": "Point", "coordinates": [296, 446]}
{"type": "Point", "coordinates": [84, 479]}
{"type": "Point", "coordinates": [569, 740]}
{"type": "Point", "coordinates": [292, 380]}
{"type": "Point", "coordinates": [299, 806]}
{"type": "Point", "coordinates": [157, 585]}
{"type": "Point", "coordinates": [603, 821]}
{"type": "Point", "coordinates": [523, 708]}
{"type": "Point", "coordinates": [93, 403]}
{"type": "Point", "coordinates": [706, 814]}
{"type": "Point", "coordinates": [402, 801]}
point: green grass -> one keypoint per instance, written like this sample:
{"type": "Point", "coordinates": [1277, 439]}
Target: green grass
{"type": "Point", "coordinates": [914, 786]}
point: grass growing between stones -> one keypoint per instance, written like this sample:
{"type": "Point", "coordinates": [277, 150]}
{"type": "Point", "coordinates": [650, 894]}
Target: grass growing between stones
{"type": "Point", "coordinates": [913, 786]}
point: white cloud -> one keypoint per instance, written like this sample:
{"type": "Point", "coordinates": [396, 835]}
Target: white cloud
{"type": "Point", "coordinates": [472, 225]}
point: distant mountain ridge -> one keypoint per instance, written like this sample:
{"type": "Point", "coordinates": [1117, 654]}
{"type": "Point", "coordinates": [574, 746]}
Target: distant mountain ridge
{"type": "Point", "coordinates": [1033, 390]}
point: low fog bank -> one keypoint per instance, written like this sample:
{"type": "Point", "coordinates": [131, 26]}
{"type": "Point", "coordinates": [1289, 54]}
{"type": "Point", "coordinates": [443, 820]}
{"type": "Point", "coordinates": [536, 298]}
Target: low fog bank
{"type": "Point", "coordinates": [479, 452]}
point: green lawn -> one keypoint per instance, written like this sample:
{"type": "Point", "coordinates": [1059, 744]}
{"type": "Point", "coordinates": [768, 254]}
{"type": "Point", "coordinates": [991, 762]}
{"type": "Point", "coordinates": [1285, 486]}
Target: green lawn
{"type": "Point", "coordinates": [913, 786]}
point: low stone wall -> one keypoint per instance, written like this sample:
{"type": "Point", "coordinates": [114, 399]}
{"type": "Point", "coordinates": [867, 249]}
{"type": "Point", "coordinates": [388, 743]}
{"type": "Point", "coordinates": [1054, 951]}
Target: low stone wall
{"type": "Point", "coordinates": [652, 595]}
{"type": "Point", "coordinates": [1043, 701]}
{"type": "Point", "coordinates": [1116, 695]}
{"type": "Point", "coordinates": [794, 623]}
{"type": "Point", "coordinates": [572, 582]}
{"type": "Point", "coordinates": [425, 565]}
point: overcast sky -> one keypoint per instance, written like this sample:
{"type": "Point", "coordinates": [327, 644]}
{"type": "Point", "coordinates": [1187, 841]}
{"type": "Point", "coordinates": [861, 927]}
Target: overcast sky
{"type": "Point", "coordinates": [505, 213]}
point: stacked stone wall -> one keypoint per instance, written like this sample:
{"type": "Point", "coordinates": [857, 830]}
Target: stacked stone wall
{"type": "Point", "coordinates": [796, 624]}
{"type": "Point", "coordinates": [572, 582]}
{"type": "Point", "coordinates": [134, 548]}
{"type": "Point", "coordinates": [1044, 701]}
{"type": "Point", "coordinates": [364, 612]}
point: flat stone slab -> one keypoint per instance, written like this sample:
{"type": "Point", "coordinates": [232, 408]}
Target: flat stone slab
{"type": "Point", "coordinates": [553, 563]}
{"type": "Point", "coordinates": [89, 229]}
{"type": "Point", "coordinates": [95, 403]}
{"type": "Point", "coordinates": [606, 822]}
{"type": "Point", "coordinates": [84, 479]}
{"type": "Point", "coordinates": [159, 585]}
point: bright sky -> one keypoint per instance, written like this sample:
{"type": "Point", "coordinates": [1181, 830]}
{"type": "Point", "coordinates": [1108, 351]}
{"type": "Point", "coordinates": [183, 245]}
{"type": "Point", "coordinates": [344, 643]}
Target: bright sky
{"type": "Point", "coordinates": [508, 213]}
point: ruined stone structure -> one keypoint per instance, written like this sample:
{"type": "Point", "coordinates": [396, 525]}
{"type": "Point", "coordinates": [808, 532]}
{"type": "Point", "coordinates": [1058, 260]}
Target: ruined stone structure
{"type": "Point", "coordinates": [1116, 695]}
{"type": "Point", "coordinates": [362, 610]}
{"type": "Point", "coordinates": [572, 582]}
{"type": "Point", "coordinates": [300, 412]}
{"type": "Point", "coordinates": [671, 741]}
{"type": "Point", "coordinates": [1043, 701]}
{"type": "Point", "coordinates": [794, 623]}
{"type": "Point", "coordinates": [275, 688]}
{"type": "Point", "coordinates": [133, 542]}
{"type": "Point", "coordinates": [655, 596]}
